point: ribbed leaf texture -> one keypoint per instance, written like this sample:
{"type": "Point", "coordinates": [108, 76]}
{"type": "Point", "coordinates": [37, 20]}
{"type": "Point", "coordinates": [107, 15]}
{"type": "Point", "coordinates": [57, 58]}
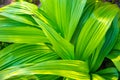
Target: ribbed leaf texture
{"type": "Point", "coordinates": [60, 40]}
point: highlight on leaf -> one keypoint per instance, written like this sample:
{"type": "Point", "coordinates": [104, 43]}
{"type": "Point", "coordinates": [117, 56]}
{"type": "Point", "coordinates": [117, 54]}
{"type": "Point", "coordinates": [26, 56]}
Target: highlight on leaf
{"type": "Point", "coordinates": [60, 40]}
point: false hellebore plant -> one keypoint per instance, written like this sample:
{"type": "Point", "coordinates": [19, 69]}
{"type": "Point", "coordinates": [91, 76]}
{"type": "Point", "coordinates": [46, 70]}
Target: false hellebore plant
{"type": "Point", "coordinates": [61, 40]}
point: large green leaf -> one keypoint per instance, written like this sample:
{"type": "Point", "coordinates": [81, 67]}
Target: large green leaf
{"type": "Point", "coordinates": [21, 18]}
{"type": "Point", "coordinates": [15, 8]}
{"type": "Point", "coordinates": [20, 11]}
{"type": "Point", "coordinates": [34, 77]}
{"type": "Point", "coordinates": [23, 77]}
{"type": "Point", "coordinates": [62, 47]}
{"type": "Point", "coordinates": [117, 44]}
{"type": "Point", "coordinates": [22, 34]}
{"type": "Point", "coordinates": [66, 13]}
{"type": "Point", "coordinates": [7, 22]}
{"type": "Point", "coordinates": [25, 11]}
{"type": "Point", "coordinates": [109, 42]}
{"type": "Point", "coordinates": [16, 54]}
{"type": "Point", "coordinates": [65, 68]}
{"type": "Point", "coordinates": [57, 21]}
{"type": "Point", "coordinates": [89, 8]}
{"type": "Point", "coordinates": [97, 77]}
{"type": "Point", "coordinates": [48, 77]}
{"type": "Point", "coordinates": [90, 37]}
{"type": "Point", "coordinates": [19, 27]}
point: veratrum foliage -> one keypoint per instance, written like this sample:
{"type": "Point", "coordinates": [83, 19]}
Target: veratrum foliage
{"type": "Point", "coordinates": [61, 40]}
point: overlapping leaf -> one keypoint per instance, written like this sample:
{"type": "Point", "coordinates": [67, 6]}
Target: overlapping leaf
{"type": "Point", "coordinates": [22, 34]}
{"type": "Point", "coordinates": [90, 37]}
{"type": "Point", "coordinates": [106, 74]}
{"type": "Point", "coordinates": [57, 21]}
{"type": "Point", "coordinates": [19, 17]}
{"type": "Point", "coordinates": [19, 27]}
{"type": "Point", "coordinates": [109, 42]}
{"type": "Point", "coordinates": [66, 13]}
{"type": "Point", "coordinates": [62, 47]}
{"type": "Point", "coordinates": [16, 54]}
{"type": "Point", "coordinates": [66, 68]}
{"type": "Point", "coordinates": [89, 8]}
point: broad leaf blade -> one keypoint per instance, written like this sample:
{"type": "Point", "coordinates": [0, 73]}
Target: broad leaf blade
{"type": "Point", "coordinates": [18, 11]}
{"type": "Point", "coordinates": [12, 31]}
{"type": "Point", "coordinates": [109, 42]}
{"type": "Point", "coordinates": [98, 23]}
{"type": "Point", "coordinates": [22, 35]}
{"type": "Point", "coordinates": [20, 18]}
{"type": "Point", "coordinates": [89, 8]}
{"type": "Point", "coordinates": [62, 47]}
{"type": "Point", "coordinates": [65, 68]}
{"type": "Point", "coordinates": [66, 13]}
{"type": "Point", "coordinates": [17, 54]}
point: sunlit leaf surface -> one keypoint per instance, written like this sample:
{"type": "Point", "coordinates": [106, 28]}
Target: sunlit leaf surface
{"type": "Point", "coordinates": [60, 40]}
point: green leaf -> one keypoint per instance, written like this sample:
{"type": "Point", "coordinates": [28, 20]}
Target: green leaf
{"type": "Point", "coordinates": [66, 13]}
{"type": "Point", "coordinates": [6, 22]}
{"type": "Point", "coordinates": [117, 44]}
{"type": "Point", "coordinates": [114, 56]}
{"type": "Point", "coordinates": [18, 11]}
{"type": "Point", "coordinates": [90, 37]}
{"type": "Point", "coordinates": [87, 11]}
{"type": "Point", "coordinates": [65, 68]}
{"type": "Point", "coordinates": [12, 12]}
{"type": "Point", "coordinates": [31, 77]}
{"type": "Point", "coordinates": [77, 10]}
{"type": "Point", "coordinates": [15, 8]}
{"type": "Point", "coordinates": [109, 41]}
{"type": "Point", "coordinates": [17, 54]}
{"type": "Point", "coordinates": [22, 35]}
{"type": "Point", "coordinates": [12, 31]}
{"type": "Point", "coordinates": [97, 77]}
{"type": "Point", "coordinates": [20, 18]}
{"type": "Point", "coordinates": [34, 77]}
{"type": "Point", "coordinates": [62, 47]}
{"type": "Point", "coordinates": [56, 23]}
{"type": "Point", "coordinates": [48, 77]}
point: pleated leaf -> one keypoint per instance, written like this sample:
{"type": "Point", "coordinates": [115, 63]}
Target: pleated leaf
{"type": "Point", "coordinates": [62, 47]}
{"type": "Point", "coordinates": [90, 37]}
{"type": "Point", "coordinates": [20, 18]}
{"type": "Point", "coordinates": [23, 77]}
{"type": "Point", "coordinates": [19, 11]}
{"type": "Point", "coordinates": [22, 35]}
{"type": "Point", "coordinates": [19, 27]}
{"type": "Point", "coordinates": [17, 54]}
{"type": "Point", "coordinates": [109, 42]}
{"type": "Point", "coordinates": [15, 9]}
{"type": "Point", "coordinates": [66, 13]}
{"type": "Point", "coordinates": [89, 8]}
{"type": "Point", "coordinates": [65, 68]}
{"type": "Point", "coordinates": [34, 77]}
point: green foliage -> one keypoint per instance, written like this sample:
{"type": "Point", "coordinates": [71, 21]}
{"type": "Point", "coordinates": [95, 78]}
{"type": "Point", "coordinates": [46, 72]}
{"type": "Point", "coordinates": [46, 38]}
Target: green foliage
{"type": "Point", "coordinates": [63, 39]}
